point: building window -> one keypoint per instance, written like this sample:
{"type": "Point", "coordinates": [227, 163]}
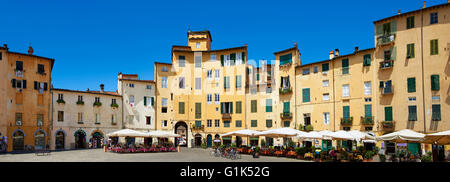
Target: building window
{"type": "Point", "coordinates": [388, 114]}
{"type": "Point", "coordinates": [80, 117]}
{"type": "Point", "coordinates": [216, 98]}
{"type": "Point", "coordinates": [268, 123]}
{"type": "Point", "coordinates": [80, 98]}
{"type": "Point", "coordinates": [238, 107]}
{"type": "Point", "coordinates": [60, 115]}
{"type": "Point", "coordinates": [226, 124]}
{"type": "Point", "coordinates": [345, 68]}
{"type": "Point", "coordinates": [198, 61]}
{"type": "Point", "coordinates": [226, 107]}
{"type": "Point", "coordinates": [181, 108]}
{"type": "Point", "coordinates": [164, 123]}
{"type": "Point", "coordinates": [346, 112]}
{"type": "Point", "coordinates": [434, 47]}
{"type": "Point", "coordinates": [268, 105]}
{"type": "Point", "coordinates": [164, 82]}
{"type": "Point", "coordinates": [97, 118]}
{"type": "Point", "coordinates": [433, 18]}
{"type": "Point", "coordinates": [198, 83]}
{"type": "Point", "coordinates": [325, 83]}
{"type": "Point", "coordinates": [226, 82]}
{"type": "Point", "coordinates": [326, 97]}
{"type": "Point", "coordinates": [410, 22]}
{"type": "Point", "coordinates": [326, 118]}
{"type": "Point", "coordinates": [181, 83]}
{"type": "Point", "coordinates": [113, 119]}
{"type": "Point", "coordinates": [164, 105]}
{"type": "Point", "coordinates": [19, 66]}
{"type": "Point", "coordinates": [368, 99]}
{"type": "Point", "coordinates": [197, 45]}
{"type": "Point", "coordinates": [217, 74]}
{"type": "Point", "coordinates": [268, 90]}
{"type": "Point", "coordinates": [198, 110]}
{"type": "Point", "coordinates": [412, 99]}
{"type": "Point", "coordinates": [316, 69]}
{"type": "Point", "coordinates": [131, 98]}
{"type": "Point", "coordinates": [209, 123]}
{"type": "Point", "coordinates": [368, 110]}
{"type": "Point", "coordinates": [285, 59]}
{"type": "Point", "coordinates": [254, 107]}
{"type": "Point", "coordinates": [40, 69]}
{"type": "Point", "coordinates": [254, 123]}
{"type": "Point", "coordinates": [209, 74]}
{"type": "Point", "coordinates": [366, 60]}
{"type": "Point", "coordinates": [412, 113]}
{"type": "Point", "coordinates": [367, 88]}
{"type": "Point", "coordinates": [213, 57]}
{"type": "Point", "coordinates": [286, 107]}
{"type": "Point", "coordinates": [436, 98]}
{"type": "Point", "coordinates": [238, 123]}
{"type": "Point", "coordinates": [216, 123]}
{"type": "Point", "coordinates": [131, 85]}
{"type": "Point", "coordinates": [411, 85]}
{"type": "Point", "coordinates": [40, 120]}
{"type": "Point", "coordinates": [209, 98]}
{"type": "Point", "coordinates": [410, 51]}
{"type": "Point", "coordinates": [305, 71]}
{"type": "Point", "coordinates": [345, 90]}
{"type": "Point", "coordinates": [306, 95]}
{"type": "Point", "coordinates": [436, 112]}
{"type": "Point", "coordinates": [149, 87]}
{"type": "Point", "coordinates": [325, 67]}
{"type": "Point", "coordinates": [181, 61]}
{"type": "Point", "coordinates": [286, 124]}
{"type": "Point", "coordinates": [19, 119]}
{"type": "Point", "coordinates": [435, 83]}
{"type": "Point", "coordinates": [238, 81]}
{"type": "Point", "coordinates": [165, 69]}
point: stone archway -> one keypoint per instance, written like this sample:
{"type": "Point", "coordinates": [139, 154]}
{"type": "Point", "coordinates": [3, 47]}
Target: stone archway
{"type": "Point", "coordinates": [97, 139]}
{"type": "Point", "coordinates": [181, 128]}
{"type": "Point", "coordinates": [80, 139]}
{"type": "Point", "coordinates": [18, 140]}
{"type": "Point", "coordinates": [198, 140]}
{"type": "Point", "coordinates": [60, 138]}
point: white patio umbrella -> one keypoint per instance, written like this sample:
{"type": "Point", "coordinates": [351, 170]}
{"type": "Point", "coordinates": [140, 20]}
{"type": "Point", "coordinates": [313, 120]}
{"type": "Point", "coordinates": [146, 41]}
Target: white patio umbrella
{"type": "Point", "coordinates": [161, 134]}
{"type": "Point", "coordinates": [340, 135]}
{"type": "Point", "coordinates": [326, 134]}
{"type": "Point", "coordinates": [280, 132]}
{"type": "Point", "coordinates": [126, 133]}
{"type": "Point", "coordinates": [242, 133]}
{"type": "Point", "coordinates": [309, 135]}
{"type": "Point", "coordinates": [440, 138]}
{"type": "Point", "coordinates": [359, 135]}
{"type": "Point", "coordinates": [403, 136]}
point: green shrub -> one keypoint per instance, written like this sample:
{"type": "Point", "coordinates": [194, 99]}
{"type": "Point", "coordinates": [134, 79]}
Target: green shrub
{"type": "Point", "coordinates": [263, 142]}
{"type": "Point", "coordinates": [427, 158]}
{"type": "Point", "coordinates": [382, 157]}
{"type": "Point", "coordinates": [344, 155]}
{"type": "Point", "coordinates": [301, 151]}
{"type": "Point", "coordinates": [309, 128]}
{"type": "Point", "coordinates": [369, 154]}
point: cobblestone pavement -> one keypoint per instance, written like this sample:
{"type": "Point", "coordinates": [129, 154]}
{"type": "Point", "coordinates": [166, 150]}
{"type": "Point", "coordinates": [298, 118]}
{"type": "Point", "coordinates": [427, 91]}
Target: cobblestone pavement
{"type": "Point", "coordinates": [98, 155]}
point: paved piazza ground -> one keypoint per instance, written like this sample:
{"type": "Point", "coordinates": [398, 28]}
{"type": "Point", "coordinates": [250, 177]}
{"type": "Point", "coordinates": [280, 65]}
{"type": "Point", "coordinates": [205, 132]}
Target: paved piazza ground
{"type": "Point", "coordinates": [98, 155]}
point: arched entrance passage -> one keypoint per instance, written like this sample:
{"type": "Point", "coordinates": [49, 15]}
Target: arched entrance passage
{"type": "Point", "coordinates": [238, 141]}
{"type": "Point", "coordinates": [18, 140]}
{"type": "Point", "coordinates": [39, 140]}
{"type": "Point", "coordinates": [97, 139]}
{"type": "Point", "coordinates": [181, 129]}
{"type": "Point", "coordinates": [60, 140]}
{"type": "Point", "coordinates": [80, 139]}
{"type": "Point", "coordinates": [209, 140]}
{"type": "Point", "coordinates": [198, 140]}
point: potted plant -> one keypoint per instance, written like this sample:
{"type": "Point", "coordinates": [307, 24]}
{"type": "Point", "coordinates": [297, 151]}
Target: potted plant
{"type": "Point", "coordinates": [382, 157]}
{"type": "Point", "coordinates": [369, 156]}
{"type": "Point", "coordinates": [80, 102]}
{"type": "Point", "coordinates": [344, 156]}
{"type": "Point", "coordinates": [60, 101]}
{"type": "Point", "coordinates": [427, 157]}
{"type": "Point", "coordinates": [114, 105]}
{"type": "Point", "coordinates": [97, 104]}
{"type": "Point", "coordinates": [300, 152]}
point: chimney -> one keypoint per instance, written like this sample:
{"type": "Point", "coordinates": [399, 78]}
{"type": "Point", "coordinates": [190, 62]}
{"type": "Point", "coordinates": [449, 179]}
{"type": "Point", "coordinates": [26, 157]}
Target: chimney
{"type": "Point", "coordinates": [102, 87]}
{"type": "Point", "coordinates": [425, 4]}
{"type": "Point", "coordinates": [30, 50]}
{"type": "Point", "coordinates": [331, 55]}
{"type": "Point", "coordinates": [336, 52]}
{"type": "Point", "coordinates": [5, 46]}
{"type": "Point", "coordinates": [356, 49]}
{"type": "Point", "coordinates": [295, 44]}
{"type": "Point", "coordinates": [399, 12]}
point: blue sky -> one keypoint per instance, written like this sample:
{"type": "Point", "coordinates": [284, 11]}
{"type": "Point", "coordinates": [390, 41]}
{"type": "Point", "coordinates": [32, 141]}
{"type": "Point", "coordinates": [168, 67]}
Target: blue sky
{"type": "Point", "coordinates": [93, 41]}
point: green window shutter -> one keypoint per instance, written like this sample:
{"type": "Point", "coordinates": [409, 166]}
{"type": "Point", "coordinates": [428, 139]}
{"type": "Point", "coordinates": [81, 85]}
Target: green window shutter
{"type": "Point", "coordinates": [268, 105]}
{"type": "Point", "coordinates": [286, 107]}
{"type": "Point", "coordinates": [434, 47]}
{"type": "Point", "coordinates": [238, 107]}
{"type": "Point", "coordinates": [367, 59]}
{"type": "Point", "coordinates": [253, 106]}
{"type": "Point", "coordinates": [306, 95]}
{"type": "Point", "coordinates": [379, 30]}
{"type": "Point", "coordinates": [346, 111]}
{"type": "Point", "coordinates": [410, 51]}
{"type": "Point", "coordinates": [231, 108]}
{"type": "Point", "coordinates": [436, 112]}
{"type": "Point", "coordinates": [284, 59]}
{"type": "Point", "coordinates": [221, 108]}
{"type": "Point", "coordinates": [394, 53]}
{"type": "Point", "coordinates": [145, 101]}
{"type": "Point", "coordinates": [381, 84]}
{"type": "Point", "coordinates": [393, 27]}
{"type": "Point", "coordinates": [233, 58]}
{"type": "Point", "coordinates": [198, 110]}
{"type": "Point", "coordinates": [411, 85]}
{"type": "Point", "coordinates": [412, 113]}
{"type": "Point", "coordinates": [222, 59]}
{"type": "Point", "coordinates": [388, 113]}
{"type": "Point", "coordinates": [325, 67]}
{"type": "Point", "coordinates": [243, 57]}
{"type": "Point", "coordinates": [153, 101]}
{"type": "Point", "coordinates": [181, 108]}
{"type": "Point", "coordinates": [435, 82]}
{"type": "Point", "coordinates": [368, 110]}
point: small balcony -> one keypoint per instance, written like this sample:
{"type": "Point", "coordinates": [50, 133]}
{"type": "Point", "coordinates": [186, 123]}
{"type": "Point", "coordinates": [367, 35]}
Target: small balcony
{"type": "Point", "coordinates": [347, 121]}
{"type": "Point", "coordinates": [386, 64]}
{"type": "Point", "coordinates": [368, 120]}
{"type": "Point", "coordinates": [387, 125]}
{"type": "Point", "coordinates": [286, 115]}
{"type": "Point", "coordinates": [226, 116]}
{"type": "Point", "coordinates": [385, 39]}
{"type": "Point", "coordinates": [194, 127]}
{"type": "Point", "coordinates": [387, 90]}
{"type": "Point", "coordinates": [285, 91]}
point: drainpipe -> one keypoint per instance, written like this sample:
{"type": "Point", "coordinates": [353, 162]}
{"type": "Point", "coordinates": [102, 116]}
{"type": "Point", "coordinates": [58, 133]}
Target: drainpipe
{"type": "Point", "coordinates": [334, 99]}
{"type": "Point", "coordinates": [123, 114]}
{"type": "Point", "coordinates": [423, 81]}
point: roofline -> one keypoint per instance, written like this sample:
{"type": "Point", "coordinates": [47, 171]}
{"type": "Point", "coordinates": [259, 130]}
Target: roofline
{"type": "Point", "coordinates": [163, 63]}
{"type": "Point", "coordinates": [286, 50]}
{"type": "Point", "coordinates": [217, 50]}
{"type": "Point", "coordinates": [147, 81]}
{"type": "Point", "coordinates": [319, 62]}
{"type": "Point", "coordinates": [50, 59]}
{"type": "Point", "coordinates": [86, 92]}
{"type": "Point", "coordinates": [204, 31]}
{"type": "Point", "coordinates": [411, 12]}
